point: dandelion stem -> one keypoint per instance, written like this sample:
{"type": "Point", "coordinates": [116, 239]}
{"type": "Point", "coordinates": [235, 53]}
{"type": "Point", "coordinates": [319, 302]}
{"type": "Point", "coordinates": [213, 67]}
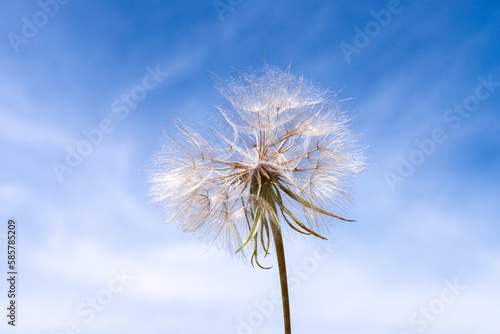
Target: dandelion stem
{"type": "Point", "coordinates": [280, 253]}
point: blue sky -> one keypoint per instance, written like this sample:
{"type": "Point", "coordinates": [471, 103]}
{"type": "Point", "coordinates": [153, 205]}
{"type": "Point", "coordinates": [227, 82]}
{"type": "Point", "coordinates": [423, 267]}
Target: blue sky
{"type": "Point", "coordinates": [94, 256]}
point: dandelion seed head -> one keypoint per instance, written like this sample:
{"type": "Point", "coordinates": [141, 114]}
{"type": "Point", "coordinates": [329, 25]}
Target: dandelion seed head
{"type": "Point", "coordinates": [279, 132]}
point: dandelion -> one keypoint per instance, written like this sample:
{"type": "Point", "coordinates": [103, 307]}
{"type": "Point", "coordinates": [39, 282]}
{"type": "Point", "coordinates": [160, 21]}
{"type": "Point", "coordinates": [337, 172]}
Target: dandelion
{"type": "Point", "coordinates": [282, 157]}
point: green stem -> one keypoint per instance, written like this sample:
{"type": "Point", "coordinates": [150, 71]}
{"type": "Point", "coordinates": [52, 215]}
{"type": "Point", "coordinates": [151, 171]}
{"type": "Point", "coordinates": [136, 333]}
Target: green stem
{"type": "Point", "coordinates": [280, 253]}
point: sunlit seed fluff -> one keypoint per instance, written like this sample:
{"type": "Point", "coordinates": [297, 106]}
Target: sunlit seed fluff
{"type": "Point", "coordinates": [280, 135]}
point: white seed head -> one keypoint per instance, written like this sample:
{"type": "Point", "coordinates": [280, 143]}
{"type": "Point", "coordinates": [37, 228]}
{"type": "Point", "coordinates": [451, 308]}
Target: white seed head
{"type": "Point", "coordinates": [280, 132]}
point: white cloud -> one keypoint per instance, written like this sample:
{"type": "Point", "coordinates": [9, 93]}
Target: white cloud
{"type": "Point", "coordinates": [23, 131]}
